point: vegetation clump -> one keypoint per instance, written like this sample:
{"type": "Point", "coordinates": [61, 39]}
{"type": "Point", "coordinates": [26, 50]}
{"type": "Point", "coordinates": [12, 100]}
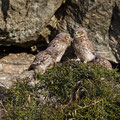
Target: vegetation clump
{"type": "Point", "coordinates": [81, 91]}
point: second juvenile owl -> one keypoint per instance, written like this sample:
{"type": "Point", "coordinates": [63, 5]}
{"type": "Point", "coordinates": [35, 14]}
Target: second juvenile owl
{"type": "Point", "coordinates": [83, 47]}
{"type": "Point", "coordinates": [56, 49]}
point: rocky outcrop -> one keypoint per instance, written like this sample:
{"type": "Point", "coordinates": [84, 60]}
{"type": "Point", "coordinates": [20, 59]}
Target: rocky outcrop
{"type": "Point", "coordinates": [21, 21]}
{"type": "Point", "coordinates": [114, 33]}
{"type": "Point", "coordinates": [33, 21]}
{"type": "Point", "coordinates": [96, 16]}
{"type": "Point", "coordinates": [12, 66]}
{"type": "Point", "coordinates": [15, 63]}
{"type": "Point", "coordinates": [24, 22]}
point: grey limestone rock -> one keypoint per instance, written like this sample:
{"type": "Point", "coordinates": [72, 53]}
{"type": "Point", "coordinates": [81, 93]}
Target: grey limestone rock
{"type": "Point", "coordinates": [21, 21]}
{"type": "Point", "coordinates": [96, 17]}
{"type": "Point", "coordinates": [26, 22]}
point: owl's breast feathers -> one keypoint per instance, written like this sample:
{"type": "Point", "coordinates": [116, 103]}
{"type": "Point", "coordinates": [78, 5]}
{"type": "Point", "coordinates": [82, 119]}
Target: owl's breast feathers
{"type": "Point", "coordinates": [58, 45]}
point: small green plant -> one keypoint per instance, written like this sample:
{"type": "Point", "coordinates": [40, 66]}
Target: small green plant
{"type": "Point", "coordinates": [82, 91]}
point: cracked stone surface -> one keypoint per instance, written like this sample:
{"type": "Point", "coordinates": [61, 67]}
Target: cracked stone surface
{"type": "Point", "coordinates": [28, 22]}
{"type": "Point", "coordinates": [22, 20]}
{"type": "Point", "coordinates": [12, 66]}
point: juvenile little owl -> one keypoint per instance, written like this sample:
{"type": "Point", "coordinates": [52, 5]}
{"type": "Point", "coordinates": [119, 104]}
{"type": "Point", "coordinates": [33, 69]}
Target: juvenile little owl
{"type": "Point", "coordinates": [45, 59]}
{"type": "Point", "coordinates": [83, 47]}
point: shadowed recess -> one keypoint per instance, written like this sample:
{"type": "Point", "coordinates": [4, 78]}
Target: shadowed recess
{"type": "Point", "coordinates": [5, 8]}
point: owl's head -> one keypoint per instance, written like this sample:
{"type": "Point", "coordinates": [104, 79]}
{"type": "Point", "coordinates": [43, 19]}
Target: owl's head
{"type": "Point", "coordinates": [80, 32]}
{"type": "Point", "coordinates": [65, 37]}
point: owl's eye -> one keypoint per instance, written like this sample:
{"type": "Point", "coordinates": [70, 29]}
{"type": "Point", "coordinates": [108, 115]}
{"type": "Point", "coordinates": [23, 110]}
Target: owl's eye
{"type": "Point", "coordinates": [67, 37]}
{"type": "Point", "coordinates": [78, 32]}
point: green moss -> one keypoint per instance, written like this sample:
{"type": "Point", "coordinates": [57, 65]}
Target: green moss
{"type": "Point", "coordinates": [20, 102]}
{"type": "Point", "coordinates": [83, 91]}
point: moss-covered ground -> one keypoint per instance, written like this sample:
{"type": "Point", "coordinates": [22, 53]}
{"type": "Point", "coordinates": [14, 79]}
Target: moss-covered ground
{"type": "Point", "coordinates": [83, 92]}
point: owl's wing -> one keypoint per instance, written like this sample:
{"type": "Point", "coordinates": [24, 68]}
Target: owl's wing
{"type": "Point", "coordinates": [90, 46]}
{"type": "Point", "coordinates": [57, 49]}
{"type": "Point", "coordinates": [77, 50]}
{"type": "Point", "coordinates": [40, 59]}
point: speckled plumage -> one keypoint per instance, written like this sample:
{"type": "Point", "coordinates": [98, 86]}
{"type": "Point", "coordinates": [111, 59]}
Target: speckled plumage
{"type": "Point", "coordinates": [83, 47]}
{"type": "Point", "coordinates": [56, 49]}
{"type": "Point", "coordinates": [102, 62]}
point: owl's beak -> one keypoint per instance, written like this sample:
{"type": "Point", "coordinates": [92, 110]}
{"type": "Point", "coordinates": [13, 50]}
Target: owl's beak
{"type": "Point", "coordinates": [76, 36]}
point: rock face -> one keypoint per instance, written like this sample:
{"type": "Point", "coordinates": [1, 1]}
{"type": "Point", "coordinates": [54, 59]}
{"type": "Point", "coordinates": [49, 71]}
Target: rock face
{"type": "Point", "coordinates": [114, 34]}
{"type": "Point", "coordinates": [33, 21]}
{"type": "Point", "coordinates": [22, 20]}
{"type": "Point", "coordinates": [15, 63]}
{"type": "Point", "coordinates": [12, 66]}
{"type": "Point", "coordinates": [96, 16]}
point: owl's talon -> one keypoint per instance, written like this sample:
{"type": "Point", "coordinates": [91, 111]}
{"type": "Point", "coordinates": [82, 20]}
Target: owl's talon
{"type": "Point", "coordinates": [76, 60]}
